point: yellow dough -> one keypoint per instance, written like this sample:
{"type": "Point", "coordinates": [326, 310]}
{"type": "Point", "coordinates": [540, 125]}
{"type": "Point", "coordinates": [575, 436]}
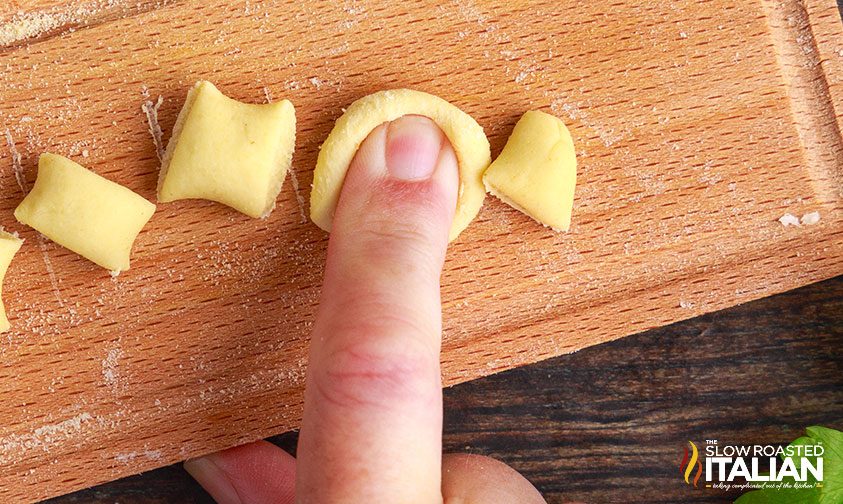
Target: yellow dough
{"type": "Point", "coordinates": [537, 170]}
{"type": "Point", "coordinates": [367, 113]}
{"type": "Point", "coordinates": [9, 245]}
{"type": "Point", "coordinates": [230, 152]}
{"type": "Point", "coordinates": [92, 216]}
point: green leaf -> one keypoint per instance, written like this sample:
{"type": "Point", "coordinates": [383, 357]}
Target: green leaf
{"type": "Point", "coordinates": [797, 461]}
{"type": "Point", "coordinates": [831, 491]}
{"type": "Point", "coordinates": [832, 441]}
{"type": "Point", "coordinates": [783, 496]}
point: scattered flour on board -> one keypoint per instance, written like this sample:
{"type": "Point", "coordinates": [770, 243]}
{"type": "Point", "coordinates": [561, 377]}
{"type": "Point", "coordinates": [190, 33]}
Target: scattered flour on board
{"type": "Point", "coordinates": [529, 67]}
{"type": "Point", "coordinates": [29, 25]}
{"type": "Point", "coordinates": [125, 458]}
{"type": "Point", "coordinates": [354, 9]}
{"type": "Point", "coordinates": [293, 177]}
{"type": "Point", "coordinates": [811, 218]}
{"type": "Point", "coordinates": [42, 241]}
{"type": "Point", "coordinates": [356, 14]}
{"type": "Point", "coordinates": [607, 135]}
{"type": "Point", "coordinates": [299, 198]}
{"type": "Point", "coordinates": [316, 82]}
{"type": "Point", "coordinates": [525, 72]}
{"type": "Point", "coordinates": [16, 163]}
{"type": "Point", "coordinates": [150, 109]}
{"type": "Point", "coordinates": [54, 282]}
{"type": "Point", "coordinates": [111, 368]}
{"type": "Point", "coordinates": [808, 219]}
{"type": "Point", "coordinates": [340, 49]}
{"type": "Point", "coordinates": [15, 445]}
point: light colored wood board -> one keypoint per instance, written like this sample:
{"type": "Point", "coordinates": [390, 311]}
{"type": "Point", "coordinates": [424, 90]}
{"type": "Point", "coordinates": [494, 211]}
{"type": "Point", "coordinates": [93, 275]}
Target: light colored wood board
{"type": "Point", "coordinates": [805, 65]}
{"type": "Point", "coordinates": [689, 145]}
{"type": "Point", "coordinates": [824, 19]}
{"type": "Point", "coordinates": [41, 19]}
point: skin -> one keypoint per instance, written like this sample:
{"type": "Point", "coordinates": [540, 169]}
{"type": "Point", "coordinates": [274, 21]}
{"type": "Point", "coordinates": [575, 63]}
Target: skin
{"type": "Point", "coordinates": [372, 426]}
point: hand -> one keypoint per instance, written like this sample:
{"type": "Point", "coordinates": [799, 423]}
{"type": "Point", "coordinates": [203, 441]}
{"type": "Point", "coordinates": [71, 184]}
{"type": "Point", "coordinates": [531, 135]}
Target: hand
{"type": "Point", "coordinates": [372, 427]}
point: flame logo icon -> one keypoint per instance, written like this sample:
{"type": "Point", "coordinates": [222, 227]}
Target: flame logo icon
{"type": "Point", "coordinates": [686, 467]}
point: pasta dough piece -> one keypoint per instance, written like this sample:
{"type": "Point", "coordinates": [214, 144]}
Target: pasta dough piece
{"type": "Point", "coordinates": [364, 115]}
{"type": "Point", "coordinates": [88, 214]}
{"type": "Point", "coordinates": [537, 170]}
{"type": "Point", "coordinates": [9, 245]}
{"type": "Point", "coordinates": [230, 152]}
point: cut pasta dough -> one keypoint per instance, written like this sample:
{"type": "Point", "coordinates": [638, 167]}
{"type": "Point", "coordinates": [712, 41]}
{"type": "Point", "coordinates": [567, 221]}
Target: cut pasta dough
{"type": "Point", "coordinates": [364, 115]}
{"type": "Point", "coordinates": [536, 172]}
{"type": "Point", "coordinates": [9, 246]}
{"type": "Point", "coordinates": [84, 212]}
{"type": "Point", "coordinates": [230, 152]}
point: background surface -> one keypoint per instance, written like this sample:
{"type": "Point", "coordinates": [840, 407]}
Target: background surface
{"type": "Point", "coordinates": [607, 424]}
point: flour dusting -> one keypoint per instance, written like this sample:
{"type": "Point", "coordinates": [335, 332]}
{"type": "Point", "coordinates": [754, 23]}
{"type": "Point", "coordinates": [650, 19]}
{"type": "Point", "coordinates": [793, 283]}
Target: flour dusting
{"type": "Point", "coordinates": [111, 368]}
{"type": "Point", "coordinates": [15, 445]}
{"type": "Point", "coordinates": [811, 218]}
{"type": "Point", "coordinates": [789, 220]}
{"type": "Point", "coordinates": [299, 198]}
{"type": "Point", "coordinates": [42, 241]}
{"type": "Point", "coordinates": [16, 163]}
{"type": "Point", "coordinates": [125, 458]}
{"type": "Point", "coordinates": [150, 109]}
{"type": "Point", "coordinates": [24, 26]}
{"type": "Point", "coordinates": [607, 135]}
{"type": "Point", "coordinates": [293, 178]}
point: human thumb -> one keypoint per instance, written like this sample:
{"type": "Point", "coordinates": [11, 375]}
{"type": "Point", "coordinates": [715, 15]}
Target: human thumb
{"type": "Point", "coordinates": [373, 405]}
{"type": "Point", "coordinates": [398, 200]}
{"type": "Point", "coordinates": [390, 230]}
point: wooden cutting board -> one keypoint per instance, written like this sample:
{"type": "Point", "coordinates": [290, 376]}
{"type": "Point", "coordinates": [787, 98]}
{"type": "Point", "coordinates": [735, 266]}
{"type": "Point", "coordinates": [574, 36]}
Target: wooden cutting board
{"type": "Point", "coordinates": [697, 126]}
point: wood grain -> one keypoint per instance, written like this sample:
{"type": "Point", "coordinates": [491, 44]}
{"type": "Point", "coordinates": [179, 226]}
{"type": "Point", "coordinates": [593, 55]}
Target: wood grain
{"type": "Point", "coordinates": [690, 128]}
{"type": "Point", "coordinates": [33, 20]}
{"type": "Point", "coordinates": [606, 424]}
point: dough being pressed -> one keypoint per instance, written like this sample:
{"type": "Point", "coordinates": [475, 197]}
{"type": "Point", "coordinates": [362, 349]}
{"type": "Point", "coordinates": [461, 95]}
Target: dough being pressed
{"type": "Point", "coordinates": [230, 152]}
{"type": "Point", "coordinates": [88, 214]}
{"type": "Point", "coordinates": [9, 245]}
{"type": "Point", "coordinates": [364, 115]}
{"type": "Point", "coordinates": [537, 170]}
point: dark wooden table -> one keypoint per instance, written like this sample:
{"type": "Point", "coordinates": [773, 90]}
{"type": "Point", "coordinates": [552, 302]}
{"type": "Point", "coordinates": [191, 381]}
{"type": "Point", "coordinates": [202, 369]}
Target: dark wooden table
{"type": "Point", "coordinates": [607, 424]}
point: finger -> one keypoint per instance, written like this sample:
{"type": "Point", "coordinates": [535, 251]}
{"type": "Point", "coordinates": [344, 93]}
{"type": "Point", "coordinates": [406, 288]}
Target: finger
{"type": "Point", "coordinates": [373, 406]}
{"type": "Point", "coordinates": [483, 480]}
{"type": "Point", "coordinates": [256, 473]}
